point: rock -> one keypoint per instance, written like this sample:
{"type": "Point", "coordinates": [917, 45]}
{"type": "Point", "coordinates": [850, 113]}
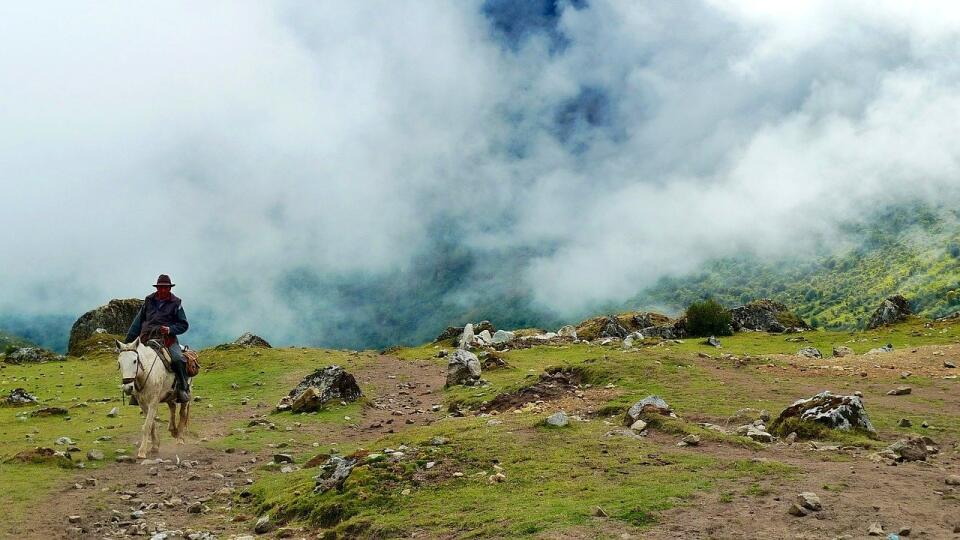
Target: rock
{"type": "Point", "coordinates": [568, 331]}
{"type": "Point", "coordinates": [558, 419]}
{"type": "Point", "coordinates": [904, 422]}
{"type": "Point", "coordinates": [912, 449]}
{"type": "Point", "coordinates": [875, 529]}
{"type": "Point", "coordinates": [810, 352]}
{"type": "Point", "coordinates": [333, 474]}
{"type": "Point", "coordinates": [650, 405]}
{"type": "Point", "coordinates": [114, 318]}
{"type": "Point", "coordinates": [833, 411]}
{"type": "Point", "coordinates": [613, 328]}
{"type": "Point", "coordinates": [690, 440]}
{"type": "Point", "coordinates": [841, 351]}
{"type": "Point", "coordinates": [331, 383]}
{"type": "Point", "coordinates": [65, 441]}
{"type": "Point", "coordinates": [113, 412]}
{"type": "Point", "coordinates": [900, 391]}
{"type": "Point", "coordinates": [467, 337]}
{"type": "Point", "coordinates": [463, 368]}
{"type": "Point", "coordinates": [484, 338]}
{"type": "Point", "coordinates": [264, 525]}
{"type": "Point", "coordinates": [892, 310]}
{"type": "Point", "coordinates": [949, 365]}
{"type": "Point", "coordinates": [809, 501]}
{"type": "Point", "coordinates": [502, 336]}
{"type": "Point", "coordinates": [251, 340]}
{"type": "Point", "coordinates": [630, 339]}
{"type": "Point", "coordinates": [282, 458]}
{"type": "Point", "coordinates": [599, 512]}
{"type": "Point", "coordinates": [791, 438]}
{"type": "Point", "coordinates": [73, 519]}
{"type": "Point", "coordinates": [758, 434]}
{"type": "Point", "coordinates": [797, 510]}
{"type": "Point", "coordinates": [765, 316]}
{"type": "Point", "coordinates": [638, 426]}
{"type": "Point", "coordinates": [18, 397]}
{"type": "Point", "coordinates": [881, 350]}
{"type": "Point", "coordinates": [125, 459]}
{"type": "Point", "coordinates": [95, 455]}
{"type": "Point", "coordinates": [32, 355]}
{"type": "Point", "coordinates": [953, 480]}
{"type": "Point", "coordinates": [904, 531]}
{"type": "Point", "coordinates": [712, 341]}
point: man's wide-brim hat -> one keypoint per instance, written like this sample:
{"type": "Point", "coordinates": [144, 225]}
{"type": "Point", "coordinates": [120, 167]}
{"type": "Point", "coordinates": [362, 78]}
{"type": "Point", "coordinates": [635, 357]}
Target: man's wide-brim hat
{"type": "Point", "coordinates": [163, 281]}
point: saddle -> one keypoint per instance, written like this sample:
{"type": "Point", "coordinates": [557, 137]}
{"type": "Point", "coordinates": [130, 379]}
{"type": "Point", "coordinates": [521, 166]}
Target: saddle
{"type": "Point", "coordinates": [190, 357]}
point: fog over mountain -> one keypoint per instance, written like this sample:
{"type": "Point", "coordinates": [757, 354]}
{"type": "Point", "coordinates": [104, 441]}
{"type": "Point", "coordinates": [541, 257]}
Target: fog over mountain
{"type": "Point", "coordinates": [357, 173]}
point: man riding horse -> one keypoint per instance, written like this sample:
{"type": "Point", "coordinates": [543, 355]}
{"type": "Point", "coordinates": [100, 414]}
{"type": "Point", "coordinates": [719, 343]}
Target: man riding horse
{"type": "Point", "coordinates": [162, 317]}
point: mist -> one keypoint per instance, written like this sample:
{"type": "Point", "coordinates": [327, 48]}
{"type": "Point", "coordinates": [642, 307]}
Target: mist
{"type": "Point", "coordinates": [358, 174]}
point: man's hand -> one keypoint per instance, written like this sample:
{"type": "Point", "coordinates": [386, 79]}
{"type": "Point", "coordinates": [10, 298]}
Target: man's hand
{"type": "Point", "coordinates": [164, 330]}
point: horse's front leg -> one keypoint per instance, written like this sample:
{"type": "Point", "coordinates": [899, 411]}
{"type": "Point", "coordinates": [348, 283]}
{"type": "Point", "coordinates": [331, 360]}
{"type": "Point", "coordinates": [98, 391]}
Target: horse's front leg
{"type": "Point", "coordinates": [146, 432]}
{"type": "Point", "coordinates": [154, 439]}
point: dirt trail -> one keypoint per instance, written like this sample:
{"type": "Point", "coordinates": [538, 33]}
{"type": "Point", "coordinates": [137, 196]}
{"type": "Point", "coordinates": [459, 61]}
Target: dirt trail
{"type": "Point", "coordinates": [196, 494]}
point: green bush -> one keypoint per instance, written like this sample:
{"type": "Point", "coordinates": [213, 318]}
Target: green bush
{"type": "Point", "coordinates": [708, 318]}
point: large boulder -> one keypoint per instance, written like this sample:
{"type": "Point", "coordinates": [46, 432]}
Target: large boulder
{"type": "Point", "coordinates": [833, 411]}
{"type": "Point", "coordinates": [32, 355]}
{"type": "Point", "coordinates": [765, 316]}
{"type": "Point", "coordinates": [331, 383]}
{"type": "Point", "coordinates": [894, 309]}
{"type": "Point", "coordinates": [463, 368]}
{"type": "Point", "coordinates": [19, 396]}
{"type": "Point", "coordinates": [251, 340]}
{"type": "Point", "coordinates": [113, 318]}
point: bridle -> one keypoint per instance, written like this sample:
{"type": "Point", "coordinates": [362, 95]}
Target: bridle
{"type": "Point", "coordinates": [137, 385]}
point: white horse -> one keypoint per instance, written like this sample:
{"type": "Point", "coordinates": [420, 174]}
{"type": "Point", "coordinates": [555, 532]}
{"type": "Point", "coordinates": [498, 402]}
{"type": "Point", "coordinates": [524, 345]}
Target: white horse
{"type": "Point", "coordinates": [145, 377]}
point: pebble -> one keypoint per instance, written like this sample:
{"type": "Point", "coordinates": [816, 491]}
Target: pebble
{"type": "Point", "coordinates": [875, 529]}
{"type": "Point", "coordinates": [113, 412]}
{"type": "Point", "coordinates": [949, 365]}
{"type": "Point", "coordinates": [264, 525]}
{"type": "Point", "coordinates": [900, 391]}
{"type": "Point", "coordinates": [73, 519]}
{"type": "Point", "coordinates": [810, 501]}
{"type": "Point", "coordinates": [953, 480]}
{"type": "Point", "coordinates": [904, 422]}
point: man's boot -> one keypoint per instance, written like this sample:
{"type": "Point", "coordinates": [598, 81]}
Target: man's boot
{"type": "Point", "coordinates": [181, 388]}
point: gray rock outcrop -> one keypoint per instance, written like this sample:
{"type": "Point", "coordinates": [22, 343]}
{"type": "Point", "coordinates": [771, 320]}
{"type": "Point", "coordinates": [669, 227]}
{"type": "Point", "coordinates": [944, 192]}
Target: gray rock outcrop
{"type": "Point", "coordinates": [321, 386]}
{"type": "Point", "coordinates": [19, 396]}
{"type": "Point", "coordinates": [114, 317]}
{"type": "Point", "coordinates": [249, 339]}
{"type": "Point", "coordinates": [892, 310]}
{"type": "Point", "coordinates": [765, 316]}
{"type": "Point", "coordinates": [650, 405]}
{"type": "Point", "coordinates": [810, 352]}
{"type": "Point", "coordinates": [463, 368]}
{"type": "Point", "coordinates": [834, 411]}
{"type": "Point", "coordinates": [32, 355]}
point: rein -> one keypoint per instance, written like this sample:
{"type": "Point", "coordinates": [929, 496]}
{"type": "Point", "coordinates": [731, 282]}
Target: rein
{"type": "Point", "coordinates": [137, 385]}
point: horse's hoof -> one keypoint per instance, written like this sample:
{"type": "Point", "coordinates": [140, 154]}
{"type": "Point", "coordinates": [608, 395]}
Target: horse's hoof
{"type": "Point", "coordinates": [141, 456]}
{"type": "Point", "coordinates": [181, 441]}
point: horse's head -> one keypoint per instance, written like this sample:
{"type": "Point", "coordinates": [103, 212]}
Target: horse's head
{"type": "Point", "coordinates": [128, 360]}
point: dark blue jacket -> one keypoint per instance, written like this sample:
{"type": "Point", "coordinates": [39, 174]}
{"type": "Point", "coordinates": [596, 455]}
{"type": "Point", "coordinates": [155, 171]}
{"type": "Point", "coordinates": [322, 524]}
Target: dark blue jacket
{"type": "Point", "coordinates": [155, 314]}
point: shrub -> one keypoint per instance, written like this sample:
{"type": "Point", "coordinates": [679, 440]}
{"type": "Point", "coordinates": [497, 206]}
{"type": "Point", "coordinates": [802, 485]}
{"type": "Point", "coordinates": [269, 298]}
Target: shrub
{"type": "Point", "coordinates": [708, 318]}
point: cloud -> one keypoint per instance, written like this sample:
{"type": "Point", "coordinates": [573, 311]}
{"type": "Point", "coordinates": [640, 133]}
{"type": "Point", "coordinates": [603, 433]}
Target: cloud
{"type": "Point", "coordinates": [305, 170]}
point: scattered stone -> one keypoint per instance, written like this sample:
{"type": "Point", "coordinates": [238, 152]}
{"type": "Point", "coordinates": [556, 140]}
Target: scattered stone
{"type": "Point", "coordinates": [797, 510]}
{"type": "Point", "coordinates": [791, 438]}
{"type": "Point", "coordinates": [568, 331]}
{"type": "Point", "coordinates": [841, 351]}
{"type": "Point", "coordinates": [712, 341]}
{"type": "Point", "coordinates": [600, 512]}
{"type": "Point", "coordinates": [650, 405]}
{"type": "Point", "coordinates": [42, 455]}
{"type": "Point", "coordinates": [558, 419]}
{"type": "Point", "coordinates": [95, 455]}
{"type": "Point", "coordinates": [264, 525]}
{"type": "Point", "coordinates": [900, 391]}
{"type": "Point", "coordinates": [810, 352]}
{"type": "Point", "coordinates": [113, 412]}
{"type": "Point", "coordinates": [690, 440]}
{"type": "Point", "coordinates": [282, 458]}
{"type": "Point", "coordinates": [19, 396]}
{"type": "Point", "coordinates": [195, 508]}
{"type": "Point", "coordinates": [904, 422]}
{"type": "Point", "coordinates": [881, 350]}
{"type": "Point", "coordinates": [833, 411]}
{"type": "Point", "coordinates": [638, 426]}
{"type": "Point", "coordinates": [810, 501]}
{"type": "Point", "coordinates": [953, 480]}
{"type": "Point", "coordinates": [912, 449]}
{"type": "Point", "coordinates": [251, 340]}
{"type": "Point", "coordinates": [333, 474]}
{"type": "Point", "coordinates": [875, 529]}
{"type": "Point", "coordinates": [463, 368]}
{"type": "Point", "coordinates": [904, 531]}
{"type": "Point", "coordinates": [949, 365]}
{"type": "Point", "coordinates": [894, 309]}
{"type": "Point", "coordinates": [65, 441]}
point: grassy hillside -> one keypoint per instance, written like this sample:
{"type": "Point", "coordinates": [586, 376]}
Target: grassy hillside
{"type": "Point", "coordinates": [913, 251]}
{"type": "Point", "coordinates": [8, 340]}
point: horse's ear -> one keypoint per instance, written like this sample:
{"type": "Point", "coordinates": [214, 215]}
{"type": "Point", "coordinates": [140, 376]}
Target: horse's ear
{"type": "Point", "coordinates": [120, 346]}
{"type": "Point", "coordinates": [136, 343]}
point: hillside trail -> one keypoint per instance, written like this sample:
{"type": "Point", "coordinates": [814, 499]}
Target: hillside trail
{"type": "Point", "coordinates": [197, 494]}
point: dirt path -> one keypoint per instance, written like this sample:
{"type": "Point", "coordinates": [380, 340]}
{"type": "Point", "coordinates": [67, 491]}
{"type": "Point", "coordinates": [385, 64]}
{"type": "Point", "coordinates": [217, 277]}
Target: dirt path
{"type": "Point", "coordinates": [193, 486]}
